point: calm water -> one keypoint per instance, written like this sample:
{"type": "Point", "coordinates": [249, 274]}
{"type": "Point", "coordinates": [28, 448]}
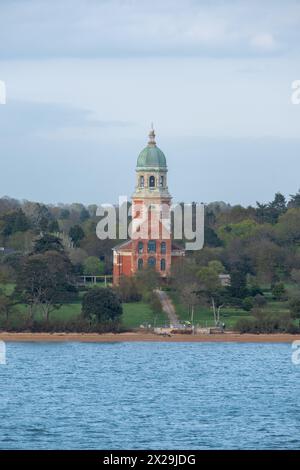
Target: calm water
{"type": "Point", "coordinates": [149, 395]}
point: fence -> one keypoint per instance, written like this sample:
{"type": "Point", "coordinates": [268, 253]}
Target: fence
{"type": "Point", "coordinates": [93, 280]}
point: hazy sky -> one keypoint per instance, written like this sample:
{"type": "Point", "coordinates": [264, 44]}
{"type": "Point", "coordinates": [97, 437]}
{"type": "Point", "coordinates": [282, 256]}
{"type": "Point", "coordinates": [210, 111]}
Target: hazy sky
{"type": "Point", "coordinates": [86, 78]}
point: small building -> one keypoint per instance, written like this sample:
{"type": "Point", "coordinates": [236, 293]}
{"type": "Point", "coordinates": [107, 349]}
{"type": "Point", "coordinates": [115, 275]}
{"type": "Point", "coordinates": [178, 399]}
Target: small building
{"type": "Point", "coordinates": [6, 251]}
{"type": "Point", "coordinates": [225, 280]}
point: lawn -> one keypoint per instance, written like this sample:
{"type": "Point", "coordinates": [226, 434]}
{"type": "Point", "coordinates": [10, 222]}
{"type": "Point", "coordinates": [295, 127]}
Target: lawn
{"type": "Point", "coordinates": [140, 313]}
{"type": "Point", "coordinates": [134, 315]}
{"type": "Point", "coordinates": [203, 316]}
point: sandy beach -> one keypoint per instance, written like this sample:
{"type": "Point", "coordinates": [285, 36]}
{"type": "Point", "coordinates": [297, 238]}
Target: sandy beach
{"type": "Point", "coordinates": [147, 337]}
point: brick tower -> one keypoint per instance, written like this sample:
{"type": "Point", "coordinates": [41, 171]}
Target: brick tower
{"type": "Point", "coordinates": [151, 241]}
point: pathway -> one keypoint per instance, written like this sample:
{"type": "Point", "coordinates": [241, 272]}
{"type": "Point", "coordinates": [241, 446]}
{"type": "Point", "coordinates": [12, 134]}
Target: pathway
{"type": "Point", "coordinates": [168, 307]}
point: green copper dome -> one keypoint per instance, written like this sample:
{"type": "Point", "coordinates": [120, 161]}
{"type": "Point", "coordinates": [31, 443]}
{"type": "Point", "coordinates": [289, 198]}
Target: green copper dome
{"type": "Point", "coordinates": [151, 156]}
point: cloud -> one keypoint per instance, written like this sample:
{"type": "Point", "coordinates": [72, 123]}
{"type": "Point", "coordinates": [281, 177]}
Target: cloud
{"type": "Point", "coordinates": [121, 28]}
{"type": "Point", "coordinates": [29, 119]}
{"type": "Point", "coordinates": [263, 42]}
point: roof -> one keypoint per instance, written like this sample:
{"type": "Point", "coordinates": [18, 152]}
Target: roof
{"type": "Point", "coordinates": [123, 246]}
{"type": "Point", "coordinates": [151, 156]}
{"type": "Point", "coordinates": [127, 246]}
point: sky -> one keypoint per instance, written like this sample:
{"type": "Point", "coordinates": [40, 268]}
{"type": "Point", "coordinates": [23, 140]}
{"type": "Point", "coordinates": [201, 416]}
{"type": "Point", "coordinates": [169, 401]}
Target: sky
{"type": "Point", "coordinates": [85, 79]}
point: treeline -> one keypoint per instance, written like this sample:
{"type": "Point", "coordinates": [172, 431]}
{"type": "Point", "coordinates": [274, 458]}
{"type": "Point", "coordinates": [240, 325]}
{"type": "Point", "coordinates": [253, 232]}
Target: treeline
{"type": "Point", "coordinates": [42, 281]}
{"type": "Point", "coordinates": [258, 247]}
{"type": "Point", "coordinates": [22, 221]}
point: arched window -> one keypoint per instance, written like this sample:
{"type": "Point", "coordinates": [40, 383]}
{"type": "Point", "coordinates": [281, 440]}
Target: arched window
{"type": "Point", "coordinates": [161, 180]}
{"type": "Point", "coordinates": [140, 247]}
{"type": "Point", "coordinates": [151, 262]}
{"type": "Point", "coordinates": [151, 246]}
{"type": "Point", "coordinates": [163, 248]}
{"type": "Point", "coordinates": [162, 264]}
{"type": "Point", "coordinates": [140, 264]}
{"type": "Point", "coordinates": [142, 181]}
{"type": "Point", "coordinates": [152, 182]}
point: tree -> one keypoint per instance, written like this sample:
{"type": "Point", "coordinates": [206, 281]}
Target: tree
{"type": "Point", "coordinates": [238, 284]}
{"type": "Point", "coordinates": [12, 263]}
{"type": "Point", "coordinates": [279, 291]}
{"type": "Point", "coordinates": [294, 200]}
{"type": "Point", "coordinates": [77, 257]}
{"type": "Point", "coordinates": [190, 297]}
{"type": "Point", "coordinates": [128, 289]}
{"type": "Point", "coordinates": [39, 215]}
{"type": "Point", "coordinates": [260, 301]}
{"type": "Point", "coordinates": [92, 266]}
{"type": "Point", "coordinates": [44, 281]}
{"type": "Point", "coordinates": [295, 275]}
{"type": "Point", "coordinates": [269, 213]}
{"type": "Point", "coordinates": [294, 306]}
{"type": "Point", "coordinates": [6, 301]}
{"type": "Point", "coordinates": [76, 234]}
{"type": "Point", "coordinates": [21, 241]}
{"type": "Point", "coordinates": [248, 304]}
{"type": "Point", "coordinates": [267, 258]}
{"type": "Point", "coordinates": [14, 221]}
{"type": "Point", "coordinates": [84, 214]}
{"type": "Point", "coordinates": [64, 214]}
{"type": "Point", "coordinates": [101, 305]}
{"type": "Point", "coordinates": [6, 305]}
{"type": "Point", "coordinates": [288, 227]}
{"type": "Point", "coordinates": [48, 242]}
{"type": "Point", "coordinates": [211, 238]}
{"type": "Point", "coordinates": [211, 288]}
{"type": "Point", "coordinates": [243, 229]}
{"type": "Point", "coordinates": [147, 280]}
{"type": "Point", "coordinates": [278, 203]}
{"type": "Point", "coordinates": [53, 226]}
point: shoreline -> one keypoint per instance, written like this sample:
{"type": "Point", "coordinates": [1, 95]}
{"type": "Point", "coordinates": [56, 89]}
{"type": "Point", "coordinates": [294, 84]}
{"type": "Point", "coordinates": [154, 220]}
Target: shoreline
{"type": "Point", "coordinates": [147, 337]}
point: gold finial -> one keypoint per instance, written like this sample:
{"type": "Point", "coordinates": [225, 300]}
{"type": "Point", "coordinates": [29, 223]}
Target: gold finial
{"type": "Point", "coordinates": [152, 142]}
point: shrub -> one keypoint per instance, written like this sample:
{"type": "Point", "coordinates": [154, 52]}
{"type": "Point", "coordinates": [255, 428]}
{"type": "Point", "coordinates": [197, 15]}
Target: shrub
{"type": "Point", "coordinates": [266, 323]}
{"type": "Point", "coordinates": [248, 303]}
{"type": "Point", "coordinates": [101, 305]}
{"type": "Point", "coordinates": [92, 266]}
{"type": "Point", "coordinates": [294, 306]}
{"type": "Point", "coordinates": [279, 291]}
{"type": "Point", "coordinates": [128, 290]}
{"type": "Point", "coordinates": [259, 300]}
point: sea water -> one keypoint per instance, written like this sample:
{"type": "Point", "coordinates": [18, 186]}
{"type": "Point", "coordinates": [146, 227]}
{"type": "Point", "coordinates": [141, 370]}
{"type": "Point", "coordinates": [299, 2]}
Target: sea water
{"type": "Point", "coordinates": [149, 396]}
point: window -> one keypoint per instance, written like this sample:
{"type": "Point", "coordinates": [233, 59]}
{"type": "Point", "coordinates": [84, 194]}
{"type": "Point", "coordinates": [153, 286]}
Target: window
{"type": "Point", "coordinates": [163, 248]}
{"type": "Point", "coordinates": [141, 181]}
{"type": "Point", "coordinates": [140, 247]}
{"type": "Point", "coordinates": [140, 264]}
{"type": "Point", "coordinates": [161, 181]}
{"type": "Point", "coordinates": [151, 246]}
{"type": "Point", "coordinates": [162, 264]}
{"type": "Point", "coordinates": [151, 182]}
{"type": "Point", "coordinates": [151, 262]}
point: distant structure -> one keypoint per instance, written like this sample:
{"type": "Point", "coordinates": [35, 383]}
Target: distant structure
{"type": "Point", "coordinates": [151, 197]}
{"type": "Point", "coordinates": [6, 251]}
{"type": "Point", "coordinates": [225, 280]}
